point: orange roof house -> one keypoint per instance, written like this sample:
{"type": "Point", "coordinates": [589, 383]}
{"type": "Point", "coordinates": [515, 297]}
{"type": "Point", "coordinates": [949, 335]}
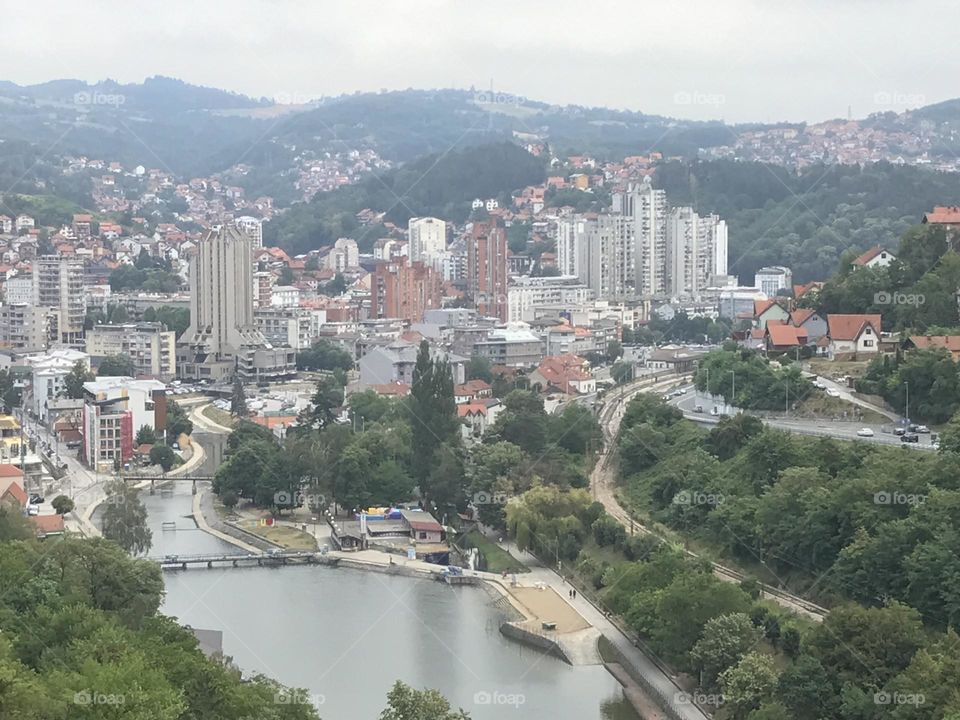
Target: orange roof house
{"type": "Point", "coordinates": [943, 215]}
{"type": "Point", "coordinates": [950, 343]}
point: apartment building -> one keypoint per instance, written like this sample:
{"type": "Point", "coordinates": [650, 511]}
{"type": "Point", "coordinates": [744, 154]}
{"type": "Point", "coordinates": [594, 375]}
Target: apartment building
{"type": "Point", "coordinates": [427, 239]}
{"type": "Point", "coordinates": [58, 285]}
{"type": "Point", "coordinates": [404, 290]}
{"type": "Point", "coordinates": [487, 268]}
{"type": "Point", "coordinates": [152, 349]}
{"type": "Point", "coordinates": [531, 297]}
{"type": "Point", "coordinates": [114, 408]}
{"type": "Point", "coordinates": [295, 327]}
{"type": "Point", "coordinates": [25, 326]}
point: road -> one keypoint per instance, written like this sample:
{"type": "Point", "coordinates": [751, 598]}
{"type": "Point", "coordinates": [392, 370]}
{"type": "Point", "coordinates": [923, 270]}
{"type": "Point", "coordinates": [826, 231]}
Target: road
{"type": "Point", "coordinates": [839, 429]}
{"type": "Point", "coordinates": [603, 485]}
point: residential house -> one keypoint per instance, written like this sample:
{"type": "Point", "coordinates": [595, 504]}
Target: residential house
{"type": "Point", "coordinates": [875, 257]}
{"type": "Point", "coordinates": [766, 310]}
{"type": "Point", "coordinates": [477, 416]}
{"type": "Point", "coordinates": [423, 526]}
{"type": "Point", "coordinates": [673, 357]}
{"type": "Point", "coordinates": [853, 337]}
{"type": "Point", "coordinates": [47, 526]}
{"type": "Point", "coordinates": [12, 494]}
{"type": "Point", "coordinates": [950, 343]}
{"type": "Point", "coordinates": [809, 320]}
{"type": "Point", "coordinates": [783, 337]}
{"type": "Point", "coordinates": [567, 374]}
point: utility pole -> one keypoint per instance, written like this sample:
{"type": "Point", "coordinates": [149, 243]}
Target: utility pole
{"type": "Point", "coordinates": [786, 396]}
{"type": "Point", "coordinates": [908, 401]}
{"type": "Point", "coordinates": [733, 398]}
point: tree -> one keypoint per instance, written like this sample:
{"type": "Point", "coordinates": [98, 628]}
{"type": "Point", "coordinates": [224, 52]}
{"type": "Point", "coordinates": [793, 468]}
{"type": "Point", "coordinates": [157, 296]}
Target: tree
{"type": "Point", "coordinates": [238, 400]}
{"type": "Point", "coordinates": [73, 381]}
{"type": "Point", "coordinates": [405, 703]}
{"type": "Point", "coordinates": [324, 355]}
{"type": "Point", "coordinates": [125, 518]}
{"type": "Point", "coordinates": [177, 421]}
{"type": "Point", "coordinates": [146, 436]}
{"type": "Point", "coordinates": [327, 398]}
{"type": "Point", "coordinates": [163, 456]}
{"type": "Point", "coordinates": [62, 505]}
{"type": "Point", "coordinates": [117, 366]}
{"type": "Point", "coordinates": [621, 372]}
{"type": "Point", "coordinates": [614, 350]}
{"type": "Point", "coordinates": [368, 407]}
{"type": "Point", "coordinates": [433, 419]}
{"type": "Point", "coordinates": [749, 684]}
{"type": "Point", "coordinates": [725, 639]}
{"type": "Point", "coordinates": [479, 368]}
{"type": "Point", "coordinates": [807, 689]}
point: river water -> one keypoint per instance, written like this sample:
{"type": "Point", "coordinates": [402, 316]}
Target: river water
{"type": "Point", "coordinates": [347, 635]}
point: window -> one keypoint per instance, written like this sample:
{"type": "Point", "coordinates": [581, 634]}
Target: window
{"type": "Point", "coordinates": [868, 343]}
{"type": "Point", "coordinates": [423, 536]}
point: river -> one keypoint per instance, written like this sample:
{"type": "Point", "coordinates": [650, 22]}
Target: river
{"type": "Point", "coordinates": [346, 635]}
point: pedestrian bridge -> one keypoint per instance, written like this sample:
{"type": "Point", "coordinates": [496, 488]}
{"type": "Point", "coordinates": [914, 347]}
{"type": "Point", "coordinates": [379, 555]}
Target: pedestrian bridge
{"type": "Point", "coordinates": [271, 558]}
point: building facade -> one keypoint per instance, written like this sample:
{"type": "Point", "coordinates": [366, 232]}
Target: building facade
{"type": "Point", "coordinates": [58, 285]}
{"type": "Point", "coordinates": [152, 349]}
{"type": "Point", "coordinates": [404, 290]}
{"type": "Point", "coordinates": [427, 239]}
{"type": "Point", "coordinates": [487, 268]}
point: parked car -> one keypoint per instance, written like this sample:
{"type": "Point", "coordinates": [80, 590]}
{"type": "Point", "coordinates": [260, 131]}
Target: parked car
{"type": "Point", "coordinates": [899, 431]}
{"type": "Point", "coordinates": [865, 432]}
{"type": "Point", "coordinates": [677, 393]}
{"type": "Point", "coordinates": [36, 499]}
{"type": "Point", "coordinates": [819, 385]}
{"type": "Point", "coordinates": [919, 428]}
{"type": "Point", "coordinates": [833, 393]}
{"type": "Point", "coordinates": [714, 410]}
{"type": "Point", "coordinates": [910, 438]}
{"type": "Point", "coordinates": [32, 510]}
{"type": "Point", "coordinates": [698, 409]}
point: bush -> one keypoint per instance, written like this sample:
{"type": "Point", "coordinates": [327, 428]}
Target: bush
{"type": "Point", "coordinates": [607, 530]}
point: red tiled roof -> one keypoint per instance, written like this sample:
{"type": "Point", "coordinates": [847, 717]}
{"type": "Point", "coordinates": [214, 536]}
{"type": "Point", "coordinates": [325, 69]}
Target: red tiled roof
{"type": "Point", "coordinates": [7, 470]}
{"type": "Point", "coordinates": [799, 316]}
{"type": "Point", "coordinates": [47, 524]}
{"type": "Point", "coordinates": [949, 342]}
{"type": "Point", "coordinates": [391, 389]}
{"type": "Point", "coordinates": [11, 487]}
{"type": "Point", "coordinates": [471, 409]}
{"type": "Point", "coordinates": [869, 255]}
{"type": "Point", "coordinates": [800, 290]}
{"type": "Point", "coordinates": [785, 335]}
{"type": "Point", "coordinates": [947, 215]}
{"type": "Point", "coordinates": [849, 327]}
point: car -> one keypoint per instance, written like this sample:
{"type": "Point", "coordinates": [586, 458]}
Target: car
{"type": "Point", "coordinates": [899, 431]}
{"type": "Point", "coordinates": [698, 409]}
{"type": "Point", "coordinates": [833, 393]}
{"type": "Point", "coordinates": [910, 438]}
{"type": "Point", "coordinates": [33, 510]}
{"type": "Point", "coordinates": [36, 499]}
{"type": "Point", "coordinates": [714, 410]}
{"type": "Point", "coordinates": [865, 432]}
{"type": "Point", "coordinates": [677, 393]}
{"type": "Point", "coordinates": [819, 385]}
{"type": "Point", "coordinates": [919, 428]}
{"type": "Point", "coordinates": [667, 397]}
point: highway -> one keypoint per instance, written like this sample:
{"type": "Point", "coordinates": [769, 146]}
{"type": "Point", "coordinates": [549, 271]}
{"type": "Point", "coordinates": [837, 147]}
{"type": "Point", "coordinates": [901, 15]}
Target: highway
{"type": "Point", "coordinates": [603, 485]}
{"type": "Point", "coordinates": [838, 429]}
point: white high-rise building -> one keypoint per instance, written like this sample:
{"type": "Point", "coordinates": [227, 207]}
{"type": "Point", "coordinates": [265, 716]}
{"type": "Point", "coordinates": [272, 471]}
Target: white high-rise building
{"type": "Point", "coordinates": [58, 285]}
{"type": "Point", "coordinates": [568, 230]}
{"type": "Point", "coordinates": [253, 228]}
{"type": "Point", "coordinates": [605, 259]}
{"type": "Point", "coordinates": [697, 250]}
{"type": "Point", "coordinates": [428, 239]}
{"type": "Point", "coordinates": [648, 209]}
{"type": "Point", "coordinates": [528, 297]}
{"type": "Point", "coordinates": [344, 255]}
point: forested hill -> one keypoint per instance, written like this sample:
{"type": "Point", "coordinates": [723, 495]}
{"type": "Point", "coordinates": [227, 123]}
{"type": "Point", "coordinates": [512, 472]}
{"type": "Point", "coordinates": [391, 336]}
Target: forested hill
{"type": "Point", "coordinates": [442, 185]}
{"type": "Point", "coordinates": [807, 220]}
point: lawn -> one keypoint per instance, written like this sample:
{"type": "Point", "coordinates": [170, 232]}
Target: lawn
{"type": "Point", "coordinates": [289, 537]}
{"type": "Point", "coordinates": [220, 417]}
{"type": "Point", "coordinates": [498, 559]}
{"type": "Point", "coordinates": [821, 405]}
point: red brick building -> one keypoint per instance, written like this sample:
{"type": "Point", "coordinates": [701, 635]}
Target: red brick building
{"type": "Point", "coordinates": [487, 268]}
{"type": "Point", "coordinates": [404, 290]}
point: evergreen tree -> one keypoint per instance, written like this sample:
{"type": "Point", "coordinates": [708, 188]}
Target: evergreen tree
{"type": "Point", "coordinates": [238, 402]}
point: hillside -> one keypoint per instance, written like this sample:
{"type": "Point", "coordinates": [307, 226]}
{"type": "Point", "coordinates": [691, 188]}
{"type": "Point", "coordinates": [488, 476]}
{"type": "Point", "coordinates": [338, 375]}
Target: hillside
{"type": "Point", "coordinates": [442, 185]}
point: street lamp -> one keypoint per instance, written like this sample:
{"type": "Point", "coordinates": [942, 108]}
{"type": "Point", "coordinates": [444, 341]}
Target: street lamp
{"type": "Point", "coordinates": [733, 392]}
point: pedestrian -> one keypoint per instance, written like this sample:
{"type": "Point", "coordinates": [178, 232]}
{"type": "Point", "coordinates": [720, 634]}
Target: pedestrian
{"type": "Point", "coordinates": [574, 594]}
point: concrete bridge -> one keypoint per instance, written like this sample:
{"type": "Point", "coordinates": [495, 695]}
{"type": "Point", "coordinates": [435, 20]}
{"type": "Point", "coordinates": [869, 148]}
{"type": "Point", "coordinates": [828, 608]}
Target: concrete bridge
{"type": "Point", "coordinates": [271, 558]}
{"type": "Point", "coordinates": [154, 479]}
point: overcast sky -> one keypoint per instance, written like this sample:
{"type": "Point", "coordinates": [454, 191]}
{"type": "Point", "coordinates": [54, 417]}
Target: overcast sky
{"type": "Point", "coordinates": [740, 60]}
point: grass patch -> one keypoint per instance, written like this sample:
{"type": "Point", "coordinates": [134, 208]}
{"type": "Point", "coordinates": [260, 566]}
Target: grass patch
{"type": "Point", "coordinates": [283, 535]}
{"type": "Point", "coordinates": [821, 405]}
{"type": "Point", "coordinates": [836, 369]}
{"type": "Point", "coordinates": [497, 559]}
{"type": "Point", "coordinates": [220, 417]}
